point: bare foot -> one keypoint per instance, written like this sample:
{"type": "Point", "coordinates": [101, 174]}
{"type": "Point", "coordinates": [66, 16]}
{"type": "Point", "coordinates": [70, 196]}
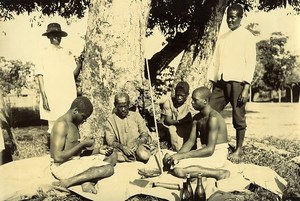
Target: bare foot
{"type": "Point", "coordinates": [58, 185]}
{"type": "Point", "coordinates": [224, 174]}
{"type": "Point", "coordinates": [236, 155]}
{"type": "Point", "coordinates": [88, 187]}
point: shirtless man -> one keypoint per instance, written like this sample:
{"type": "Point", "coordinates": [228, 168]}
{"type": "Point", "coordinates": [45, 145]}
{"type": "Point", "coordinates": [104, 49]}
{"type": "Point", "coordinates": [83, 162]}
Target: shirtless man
{"type": "Point", "coordinates": [211, 156]}
{"type": "Point", "coordinates": [66, 147]}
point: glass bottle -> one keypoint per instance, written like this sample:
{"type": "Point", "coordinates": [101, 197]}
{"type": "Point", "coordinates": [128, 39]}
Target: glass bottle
{"type": "Point", "coordinates": [186, 193]}
{"type": "Point", "coordinates": [199, 191]}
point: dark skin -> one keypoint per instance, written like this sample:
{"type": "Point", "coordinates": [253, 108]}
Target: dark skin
{"type": "Point", "coordinates": [140, 148]}
{"type": "Point", "coordinates": [179, 100]}
{"type": "Point", "coordinates": [66, 143]}
{"type": "Point", "coordinates": [234, 18]}
{"type": "Point", "coordinates": [212, 130]}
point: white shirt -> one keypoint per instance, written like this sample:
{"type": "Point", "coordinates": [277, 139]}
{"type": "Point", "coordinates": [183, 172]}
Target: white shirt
{"type": "Point", "coordinates": [234, 57]}
{"type": "Point", "coordinates": [57, 66]}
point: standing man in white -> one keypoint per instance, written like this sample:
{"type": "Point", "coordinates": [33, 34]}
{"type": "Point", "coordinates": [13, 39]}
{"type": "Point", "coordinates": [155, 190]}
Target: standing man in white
{"type": "Point", "coordinates": [56, 74]}
{"type": "Point", "coordinates": [232, 72]}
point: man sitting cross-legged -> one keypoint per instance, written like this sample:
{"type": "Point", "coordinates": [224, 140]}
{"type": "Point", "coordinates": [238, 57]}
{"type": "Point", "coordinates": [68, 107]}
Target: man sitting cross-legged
{"type": "Point", "coordinates": [127, 132]}
{"type": "Point", "coordinates": [211, 128]}
{"type": "Point", "coordinates": [66, 147]}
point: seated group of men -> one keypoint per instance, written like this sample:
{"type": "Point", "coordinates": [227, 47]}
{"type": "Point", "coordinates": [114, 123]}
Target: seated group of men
{"type": "Point", "coordinates": [127, 139]}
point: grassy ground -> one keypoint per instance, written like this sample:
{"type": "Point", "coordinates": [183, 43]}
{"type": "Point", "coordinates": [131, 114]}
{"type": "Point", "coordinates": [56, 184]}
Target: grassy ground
{"type": "Point", "coordinates": [32, 142]}
{"type": "Point", "coordinates": [272, 140]}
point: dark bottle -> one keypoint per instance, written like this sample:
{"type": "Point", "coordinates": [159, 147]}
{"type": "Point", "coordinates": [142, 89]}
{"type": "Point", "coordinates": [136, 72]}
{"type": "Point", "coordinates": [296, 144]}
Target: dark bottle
{"type": "Point", "coordinates": [199, 191]}
{"type": "Point", "coordinates": [186, 193]}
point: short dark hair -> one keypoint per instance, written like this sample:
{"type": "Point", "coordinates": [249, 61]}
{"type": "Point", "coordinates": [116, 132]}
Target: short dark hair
{"type": "Point", "coordinates": [83, 104]}
{"type": "Point", "coordinates": [121, 95]}
{"type": "Point", "coordinates": [238, 8]}
{"type": "Point", "coordinates": [182, 86]}
{"type": "Point", "coordinates": [204, 92]}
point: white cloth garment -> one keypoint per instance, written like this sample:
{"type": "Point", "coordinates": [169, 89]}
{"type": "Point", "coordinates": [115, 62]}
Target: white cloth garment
{"type": "Point", "coordinates": [57, 66]}
{"type": "Point", "coordinates": [234, 57]}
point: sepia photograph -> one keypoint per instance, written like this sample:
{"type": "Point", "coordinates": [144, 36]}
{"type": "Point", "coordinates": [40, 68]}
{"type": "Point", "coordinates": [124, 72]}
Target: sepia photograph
{"type": "Point", "coordinates": [154, 100]}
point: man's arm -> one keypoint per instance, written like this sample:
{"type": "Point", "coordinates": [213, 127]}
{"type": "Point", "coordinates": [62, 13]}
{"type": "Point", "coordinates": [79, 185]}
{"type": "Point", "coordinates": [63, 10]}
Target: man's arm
{"type": "Point", "coordinates": [187, 146]}
{"type": "Point", "coordinates": [79, 63]}
{"type": "Point", "coordinates": [58, 142]}
{"type": "Point", "coordinates": [243, 98]}
{"type": "Point", "coordinates": [112, 140]}
{"type": "Point", "coordinates": [144, 137]}
{"type": "Point", "coordinates": [167, 114]}
{"type": "Point", "coordinates": [43, 92]}
{"type": "Point", "coordinates": [206, 150]}
{"type": "Point", "coordinates": [170, 121]}
{"type": "Point", "coordinates": [110, 137]}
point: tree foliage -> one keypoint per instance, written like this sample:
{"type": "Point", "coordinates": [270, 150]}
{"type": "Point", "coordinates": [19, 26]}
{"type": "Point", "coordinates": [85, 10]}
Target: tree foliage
{"type": "Point", "coordinates": [173, 16]}
{"type": "Point", "coordinates": [15, 76]}
{"type": "Point", "coordinates": [278, 63]}
{"type": "Point", "coordinates": [64, 8]}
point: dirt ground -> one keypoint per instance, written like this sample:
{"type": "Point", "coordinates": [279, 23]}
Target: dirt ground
{"type": "Point", "coordinates": [279, 120]}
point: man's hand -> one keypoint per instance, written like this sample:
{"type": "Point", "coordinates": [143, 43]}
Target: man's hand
{"type": "Point", "coordinates": [174, 159]}
{"type": "Point", "coordinates": [128, 151]}
{"type": "Point", "coordinates": [243, 98]}
{"type": "Point", "coordinates": [88, 141]}
{"type": "Point", "coordinates": [46, 104]}
{"type": "Point", "coordinates": [106, 150]}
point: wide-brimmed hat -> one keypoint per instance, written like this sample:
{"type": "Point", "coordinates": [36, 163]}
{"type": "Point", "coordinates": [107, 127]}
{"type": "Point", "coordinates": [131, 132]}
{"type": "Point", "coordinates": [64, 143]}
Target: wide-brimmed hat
{"type": "Point", "coordinates": [54, 28]}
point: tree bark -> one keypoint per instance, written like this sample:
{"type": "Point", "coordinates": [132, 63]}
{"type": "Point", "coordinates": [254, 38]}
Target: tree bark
{"type": "Point", "coordinates": [174, 47]}
{"type": "Point", "coordinates": [197, 56]}
{"type": "Point", "coordinates": [114, 55]}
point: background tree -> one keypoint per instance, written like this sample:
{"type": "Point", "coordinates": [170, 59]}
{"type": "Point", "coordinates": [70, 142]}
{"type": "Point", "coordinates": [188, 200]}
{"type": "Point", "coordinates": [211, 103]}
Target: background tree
{"type": "Point", "coordinates": [114, 40]}
{"type": "Point", "coordinates": [278, 63]}
{"type": "Point", "coordinates": [193, 28]}
{"type": "Point", "coordinates": [14, 77]}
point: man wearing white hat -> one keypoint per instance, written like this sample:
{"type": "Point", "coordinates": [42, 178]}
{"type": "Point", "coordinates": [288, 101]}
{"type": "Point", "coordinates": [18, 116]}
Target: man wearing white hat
{"type": "Point", "coordinates": [56, 74]}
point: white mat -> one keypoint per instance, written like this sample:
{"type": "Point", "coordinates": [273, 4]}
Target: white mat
{"type": "Point", "coordinates": [25, 177]}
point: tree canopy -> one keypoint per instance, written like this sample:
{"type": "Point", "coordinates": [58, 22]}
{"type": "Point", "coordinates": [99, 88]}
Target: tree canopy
{"type": "Point", "coordinates": [278, 63]}
{"type": "Point", "coordinates": [171, 16]}
{"type": "Point", "coordinates": [15, 76]}
{"type": "Point", "coordinates": [64, 8]}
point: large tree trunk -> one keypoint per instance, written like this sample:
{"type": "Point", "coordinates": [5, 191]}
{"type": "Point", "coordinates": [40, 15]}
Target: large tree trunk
{"type": "Point", "coordinates": [165, 56]}
{"type": "Point", "coordinates": [114, 54]}
{"type": "Point", "coordinates": [197, 56]}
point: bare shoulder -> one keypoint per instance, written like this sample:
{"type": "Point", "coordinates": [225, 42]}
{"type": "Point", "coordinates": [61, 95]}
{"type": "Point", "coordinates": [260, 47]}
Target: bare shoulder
{"type": "Point", "coordinates": [60, 125]}
{"type": "Point", "coordinates": [215, 116]}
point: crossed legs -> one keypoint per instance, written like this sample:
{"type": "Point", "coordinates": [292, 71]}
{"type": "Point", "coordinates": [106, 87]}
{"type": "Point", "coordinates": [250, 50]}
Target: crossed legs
{"type": "Point", "coordinates": [194, 170]}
